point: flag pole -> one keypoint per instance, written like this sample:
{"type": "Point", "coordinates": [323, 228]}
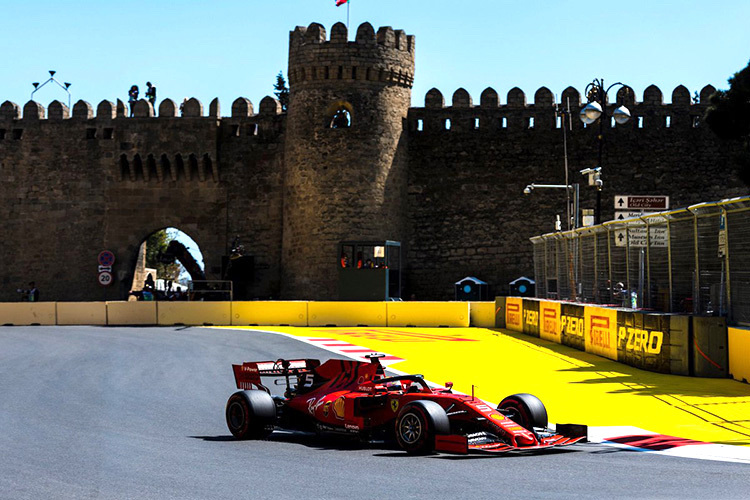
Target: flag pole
{"type": "Point", "coordinates": [347, 14]}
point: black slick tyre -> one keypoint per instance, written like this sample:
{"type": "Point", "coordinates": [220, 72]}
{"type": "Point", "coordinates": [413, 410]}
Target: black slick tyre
{"type": "Point", "coordinates": [417, 424]}
{"type": "Point", "coordinates": [526, 410]}
{"type": "Point", "coordinates": [250, 414]}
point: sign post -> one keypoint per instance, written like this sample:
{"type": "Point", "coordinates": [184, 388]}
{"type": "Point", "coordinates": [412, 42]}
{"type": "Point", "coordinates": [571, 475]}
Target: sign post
{"type": "Point", "coordinates": [631, 207]}
{"type": "Point", "coordinates": [106, 260]}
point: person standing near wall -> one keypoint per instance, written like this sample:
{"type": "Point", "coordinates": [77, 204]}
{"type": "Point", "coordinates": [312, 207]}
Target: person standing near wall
{"type": "Point", "coordinates": [132, 97]}
{"type": "Point", "coordinates": [151, 94]}
{"type": "Point", "coordinates": [33, 292]}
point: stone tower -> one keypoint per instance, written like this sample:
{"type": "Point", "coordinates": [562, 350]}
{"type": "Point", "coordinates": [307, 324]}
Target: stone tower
{"type": "Point", "coordinates": [344, 180]}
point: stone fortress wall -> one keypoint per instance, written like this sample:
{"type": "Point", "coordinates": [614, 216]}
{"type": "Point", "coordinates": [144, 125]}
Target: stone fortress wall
{"type": "Point", "coordinates": [447, 181]}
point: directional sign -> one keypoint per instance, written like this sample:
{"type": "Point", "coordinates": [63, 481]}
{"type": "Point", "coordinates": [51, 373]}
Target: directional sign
{"type": "Point", "coordinates": [637, 202]}
{"type": "Point", "coordinates": [105, 278]}
{"type": "Point", "coordinates": [106, 258]}
{"type": "Point", "coordinates": [636, 237]}
{"type": "Point", "coordinates": [632, 214]}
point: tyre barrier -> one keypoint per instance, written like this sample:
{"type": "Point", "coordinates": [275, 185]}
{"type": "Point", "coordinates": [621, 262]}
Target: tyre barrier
{"type": "Point", "coordinates": [659, 342]}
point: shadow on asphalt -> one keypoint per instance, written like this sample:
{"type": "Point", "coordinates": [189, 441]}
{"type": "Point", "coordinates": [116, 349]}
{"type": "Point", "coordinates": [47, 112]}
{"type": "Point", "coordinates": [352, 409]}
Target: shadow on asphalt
{"type": "Point", "coordinates": [384, 449]}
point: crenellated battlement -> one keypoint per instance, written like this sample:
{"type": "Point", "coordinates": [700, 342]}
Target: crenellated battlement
{"type": "Point", "coordinates": [351, 159]}
{"type": "Point", "coordinates": [385, 57]}
{"type": "Point", "coordinates": [650, 113]}
{"type": "Point", "coordinates": [107, 110]}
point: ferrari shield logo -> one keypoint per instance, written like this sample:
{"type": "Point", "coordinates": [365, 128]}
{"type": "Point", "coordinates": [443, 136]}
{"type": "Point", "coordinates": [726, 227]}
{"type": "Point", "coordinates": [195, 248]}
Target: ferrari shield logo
{"type": "Point", "coordinates": [394, 405]}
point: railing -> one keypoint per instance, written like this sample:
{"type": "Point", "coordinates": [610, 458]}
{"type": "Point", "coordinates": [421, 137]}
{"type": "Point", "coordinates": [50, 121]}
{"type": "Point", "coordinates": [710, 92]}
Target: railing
{"type": "Point", "coordinates": [210, 290]}
{"type": "Point", "coordinates": [692, 260]}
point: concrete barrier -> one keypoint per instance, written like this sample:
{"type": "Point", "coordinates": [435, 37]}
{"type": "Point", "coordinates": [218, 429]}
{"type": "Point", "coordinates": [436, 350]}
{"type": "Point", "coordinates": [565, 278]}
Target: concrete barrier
{"type": "Point", "coordinates": [739, 354]}
{"type": "Point", "coordinates": [499, 312]}
{"type": "Point", "coordinates": [645, 341]}
{"type": "Point", "coordinates": [656, 342]}
{"type": "Point", "coordinates": [710, 353]}
{"type": "Point", "coordinates": [601, 331]}
{"type": "Point", "coordinates": [28, 313]}
{"type": "Point", "coordinates": [482, 314]}
{"type": "Point", "coordinates": [549, 321]}
{"type": "Point", "coordinates": [428, 314]}
{"type": "Point", "coordinates": [194, 313]}
{"type": "Point", "coordinates": [346, 314]}
{"type": "Point", "coordinates": [81, 313]}
{"type": "Point", "coordinates": [131, 313]}
{"type": "Point", "coordinates": [573, 325]}
{"type": "Point", "coordinates": [514, 313]}
{"type": "Point", "coordinates": [531, 317]}
{"type": "Point", "coordinates": [290, 313]}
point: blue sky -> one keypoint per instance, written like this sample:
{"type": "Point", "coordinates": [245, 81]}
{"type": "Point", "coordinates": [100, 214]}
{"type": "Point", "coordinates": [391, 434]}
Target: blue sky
{"type": "Point", "coordinates": [232, 48]}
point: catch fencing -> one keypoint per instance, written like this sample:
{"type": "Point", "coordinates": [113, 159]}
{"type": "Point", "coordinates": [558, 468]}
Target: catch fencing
{"type": "Point", "coordinates": [693, 260]}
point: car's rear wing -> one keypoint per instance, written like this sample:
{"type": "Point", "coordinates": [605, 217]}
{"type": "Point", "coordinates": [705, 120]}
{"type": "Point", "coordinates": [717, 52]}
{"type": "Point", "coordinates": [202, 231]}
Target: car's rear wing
{"type": "Point", "coordinates": [247, 375]}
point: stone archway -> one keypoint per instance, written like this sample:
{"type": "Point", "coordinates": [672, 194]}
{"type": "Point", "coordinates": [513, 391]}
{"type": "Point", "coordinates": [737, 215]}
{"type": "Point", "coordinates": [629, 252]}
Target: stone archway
{"type": "Point", "coordinates": [172, 258]}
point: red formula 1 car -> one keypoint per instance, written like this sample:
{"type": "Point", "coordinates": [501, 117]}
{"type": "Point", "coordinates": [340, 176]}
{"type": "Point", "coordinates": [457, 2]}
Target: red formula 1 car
{"type": "Point", "coordinates": [355, 397]}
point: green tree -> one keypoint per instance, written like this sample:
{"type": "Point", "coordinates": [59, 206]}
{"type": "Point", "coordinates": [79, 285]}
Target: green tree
{"type": "Point", "coordinates": [156, 244]}
{"type": "Point", "coordinates": [729, 117]}
{"type": "Point", "coordinates": [281, 91]}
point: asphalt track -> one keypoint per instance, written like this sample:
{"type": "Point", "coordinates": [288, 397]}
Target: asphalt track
{"type": "Point", "coordinates": [95, 412]}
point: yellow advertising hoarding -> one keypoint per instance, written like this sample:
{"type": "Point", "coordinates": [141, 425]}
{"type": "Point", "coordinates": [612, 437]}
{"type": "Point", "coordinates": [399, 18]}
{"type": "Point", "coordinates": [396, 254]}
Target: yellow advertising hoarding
{"type": "Point", "coordinates": [549, 321]}
{"type": "Point", "coordinates": [514, 314]}
{"type": "Point", "coordinates": [601, 331]}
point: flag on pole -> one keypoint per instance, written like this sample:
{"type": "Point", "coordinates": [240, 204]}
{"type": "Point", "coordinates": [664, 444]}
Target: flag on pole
{"type": "Point", "coordinates": [341, 2]}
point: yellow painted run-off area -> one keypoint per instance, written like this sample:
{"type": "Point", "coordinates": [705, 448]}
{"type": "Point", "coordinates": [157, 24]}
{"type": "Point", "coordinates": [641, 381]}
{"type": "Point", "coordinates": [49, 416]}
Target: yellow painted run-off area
{"type": "Point", "coordinates": [575, 386]}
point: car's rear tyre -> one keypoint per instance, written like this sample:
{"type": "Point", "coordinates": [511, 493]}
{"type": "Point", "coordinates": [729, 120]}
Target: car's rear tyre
{"type": "Point", "coordinates": [250, 414]}
{"type": "Point", "coordinates": [526, 410]}
{"type": "Point", "coordinates": [417, 424]}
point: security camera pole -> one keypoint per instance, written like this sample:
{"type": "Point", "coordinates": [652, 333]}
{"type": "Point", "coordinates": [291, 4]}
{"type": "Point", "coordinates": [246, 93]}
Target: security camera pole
{"type": "Point", "coordinates": [597, 109]}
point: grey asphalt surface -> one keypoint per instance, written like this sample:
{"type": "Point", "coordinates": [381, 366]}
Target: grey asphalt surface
{"type": "Point", "coordinates": [101, 412]}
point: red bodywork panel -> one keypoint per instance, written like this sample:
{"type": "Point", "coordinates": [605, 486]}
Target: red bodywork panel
{"type": "Point", "coordinates": [354, 396]}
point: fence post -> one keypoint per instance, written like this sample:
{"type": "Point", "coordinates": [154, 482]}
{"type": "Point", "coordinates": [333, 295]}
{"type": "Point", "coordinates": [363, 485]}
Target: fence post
{"type": "Point", "coordinates": [726, 258]}
{"type": "Point", "coordinates": [696, 271]}
{"type": "Point", "coordinates": [609, 266]}
{"type": "Point", "coordinates": [669, 262]}
{"type": "Point", "coordinates": [647, 289]}
{"type": "Point", "coordinates": [596, 268]}
{"type": "Point", "coordinates": [627, 260]}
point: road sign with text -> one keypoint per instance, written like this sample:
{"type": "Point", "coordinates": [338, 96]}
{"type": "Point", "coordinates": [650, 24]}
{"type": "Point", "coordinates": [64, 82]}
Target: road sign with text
{"type": "Point", "coordinates": [654, 203]}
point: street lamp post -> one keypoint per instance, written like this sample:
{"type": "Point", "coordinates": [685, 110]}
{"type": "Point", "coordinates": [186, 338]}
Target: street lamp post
{"type": "Point", "coordinates": [64, 86]}
{"type": "Point", "coordinates": [596, 109]}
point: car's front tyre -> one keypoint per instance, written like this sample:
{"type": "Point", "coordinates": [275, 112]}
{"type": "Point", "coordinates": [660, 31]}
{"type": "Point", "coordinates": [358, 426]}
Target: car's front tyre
{"type": "Point", "coordinates": [526, 410]}
{"type": "Point", "coordinates": [417, 424]}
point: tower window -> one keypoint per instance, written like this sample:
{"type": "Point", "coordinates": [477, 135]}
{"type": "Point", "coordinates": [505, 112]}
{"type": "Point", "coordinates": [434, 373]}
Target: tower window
{"type": "Point", "coordinates": [504, 122]}
{"type": "Point", "coordinates": [339, 115]}
{"type": "Point", "coordinates": [447, 124]}
{"type": "Point", "coordinates": [476, 123]}
{"type": "Point", "coordinates": [420, 125]}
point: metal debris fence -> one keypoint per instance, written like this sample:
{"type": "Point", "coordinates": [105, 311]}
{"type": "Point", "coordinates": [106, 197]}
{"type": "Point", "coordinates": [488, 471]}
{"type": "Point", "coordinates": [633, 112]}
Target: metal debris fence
{"type": "Point", "coordinates": [693, 260]}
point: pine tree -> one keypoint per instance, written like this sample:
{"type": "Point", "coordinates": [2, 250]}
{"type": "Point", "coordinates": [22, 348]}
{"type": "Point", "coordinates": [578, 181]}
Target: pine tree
{"type": "Point", "coordinates": [281, 91]}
